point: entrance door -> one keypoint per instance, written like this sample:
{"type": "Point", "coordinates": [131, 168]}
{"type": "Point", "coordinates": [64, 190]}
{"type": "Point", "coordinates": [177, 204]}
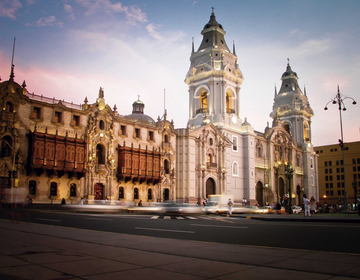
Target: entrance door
{"type": "Point", "coordinates": [165, 194]}
{"type": "Point", "coordinates": [260, 193]}
{"type": "Point", "coordinates": [210, 187]}
{"type": "Point", "coordinates": [98, 191]}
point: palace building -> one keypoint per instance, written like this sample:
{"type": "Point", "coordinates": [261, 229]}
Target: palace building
{"type": "Point", "coordinates": [53, 149]}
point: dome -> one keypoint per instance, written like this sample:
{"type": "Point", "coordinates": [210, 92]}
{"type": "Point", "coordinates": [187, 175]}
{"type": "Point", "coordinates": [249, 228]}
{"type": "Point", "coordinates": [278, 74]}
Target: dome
{"type": "Point", "coordinates": [289, 72]}
{"type": "Point", "coordinates": [141, 117]}
{"type": "Point", "coordinates": [246, 123]}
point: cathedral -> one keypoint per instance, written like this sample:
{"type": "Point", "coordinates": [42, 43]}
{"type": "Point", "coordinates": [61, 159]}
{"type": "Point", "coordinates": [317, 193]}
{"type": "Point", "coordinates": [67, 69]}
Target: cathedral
{"type": "Point", "coordinates": [53, 149]}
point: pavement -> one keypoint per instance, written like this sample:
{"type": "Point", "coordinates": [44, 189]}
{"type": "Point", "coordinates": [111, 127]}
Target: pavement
{"type": "Point", "coordinates": [35, 251]}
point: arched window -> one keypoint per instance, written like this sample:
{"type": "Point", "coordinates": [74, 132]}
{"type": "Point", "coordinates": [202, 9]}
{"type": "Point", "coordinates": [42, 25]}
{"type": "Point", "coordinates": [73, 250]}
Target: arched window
{"type": "Point", "coordinates": [166, 138]}
{"type": "Point", "coordinates": [209, 158]}
{"type": "Point", "coordinates": [166, 166]}
{"type": "Point", "coordinates": [6, 146]}
{"type": "Point", "coordinates": [121, 192]}
{"type": "Point", "coordinates": [100, 154]}
{"type": "Point", "coordinates": [102, 125]}
{"type": "Point", "coordinates": [149, 194]}
{"type": "Point", "coordinates": [287, 128]}
{"type": "Point", "coordinates": [136, 193]}
{"type": "Point", "coordinates": [203, 100]}
{"type": "Point", "coordinates": [235, 169]}
{"type": "Point", "coordinates": [9, 107]}
{"type": "Point", "coordinates": [73, 189]}
{"type": "Point", "coordinates": [53, 189]}
{"type": "Point", "coordinates": [32, 187]}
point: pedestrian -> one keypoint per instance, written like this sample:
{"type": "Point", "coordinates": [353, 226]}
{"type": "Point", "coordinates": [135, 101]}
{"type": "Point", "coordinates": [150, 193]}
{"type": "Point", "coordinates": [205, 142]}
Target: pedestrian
{"type": "Point", "coordinates": [63, 201]}
{"type": "Point", "coordinates": [312, 205]}
{"type": "Point", "coordinates": [306, 206]}
{"type": "Point", "coordinates": [230, 204]}
{"type": "Point", "coordinates": [140, 203]}
{"type": "Point", "coordinates": [286, 204]}
{"type": "Point", "coordinates": [81, 201]}
{"type": "Point", "coordinates": [245, 200]}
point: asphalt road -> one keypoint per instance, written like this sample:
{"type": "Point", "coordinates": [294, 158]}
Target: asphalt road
{"type": "Point", "coordinates": [332, 237]}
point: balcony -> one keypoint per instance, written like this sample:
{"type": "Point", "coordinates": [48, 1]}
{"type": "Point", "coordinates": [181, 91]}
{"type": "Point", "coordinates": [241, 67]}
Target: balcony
{"type": "Point", "coordinates": [230, 111]}
{"type": "Point", "coordinates": [202, 111]}
{"type": "Point", "coordinates": [211, 165]}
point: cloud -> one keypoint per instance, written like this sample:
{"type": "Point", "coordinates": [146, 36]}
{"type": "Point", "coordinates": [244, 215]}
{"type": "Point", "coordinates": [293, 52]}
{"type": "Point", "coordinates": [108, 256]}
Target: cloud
{"type": "Point", "coordinates": [69, 10]}
{"type": "Point", "coordinates": [49, 21]}
{"type": "Point", "coordinates": [315, 46]}
{"type": "Point", "coordinates": [194, 3]}
{"type": "Point", "coordinates": [30, 2]}
{"type": "Point", "coordinates": [133, 14]}
{"type": "Point", "coordinates": [8, 8]}
{"type": "Point", "coordinates": [292, 32]}
{"type": "Point", "coordinates": [151, 28]}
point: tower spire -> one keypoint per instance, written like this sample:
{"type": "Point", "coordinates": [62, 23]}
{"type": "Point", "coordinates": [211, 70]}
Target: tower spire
{"type": "Point", "coordinates": [192, 45]}
{"type": "Point", "coordinates": [275, 91]}
{"type": "Point", "coordinates": [234, 53]}
{"type": "Point", "coordinates": [12, 75]}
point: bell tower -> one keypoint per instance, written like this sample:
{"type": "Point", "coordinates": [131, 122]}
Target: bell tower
{"type": "Point", "coordinates": [292, 108]}
{"type": "Point", "coordinates": [214, 81]}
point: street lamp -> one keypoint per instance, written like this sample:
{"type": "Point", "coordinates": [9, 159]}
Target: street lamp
{"type": "Point", "coordinates": [289, 171]}
{"type": "Point", "coordinates": [354, 184]}
{"type": "Point", "coordinates": [339, 99]}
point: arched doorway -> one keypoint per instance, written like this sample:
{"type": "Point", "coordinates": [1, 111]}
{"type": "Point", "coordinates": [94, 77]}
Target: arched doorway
{"type": "Point", "coordinates": [210, 187]}
{"type": "Point", "coordinates": [98, 191]}
{"type": "Point", "coordinates": [259, 193]}
{"type": "Point", "coordinates": [281, 188]}
{"type": "Point", "coordinates": [165, 194]}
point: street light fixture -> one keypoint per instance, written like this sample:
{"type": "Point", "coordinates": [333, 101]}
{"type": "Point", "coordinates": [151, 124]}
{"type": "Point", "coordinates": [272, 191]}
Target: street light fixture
{"type": "Point", "coordinates": [289, 171]}
{"type": "Point", "coordinates": [339, 99]}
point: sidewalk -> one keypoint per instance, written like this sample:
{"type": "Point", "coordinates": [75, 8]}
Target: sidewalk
{"type": "Point", "coordinates": [34, 251]}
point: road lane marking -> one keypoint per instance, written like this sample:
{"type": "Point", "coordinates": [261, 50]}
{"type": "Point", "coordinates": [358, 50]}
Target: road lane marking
{"type": "Point", "coordinates": [199, 225]}
{"type": "Point", "coordinates": [180, 218]}
{"type": "Point", "coordinates": [98, 219]}
{"type": "Point", "coordinates": [168, 230]}
{"type": "Point", "coordinates": [167, 217]}
{"type": "Point", "coordinates": [191, 218]}
{"type": "Point", "coordinates": [50, 220]}
{"type": "Point", "coordinates": [154, 217]}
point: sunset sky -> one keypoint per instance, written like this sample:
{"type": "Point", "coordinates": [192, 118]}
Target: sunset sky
{"type": "Point", "coordinates": [68, 49]}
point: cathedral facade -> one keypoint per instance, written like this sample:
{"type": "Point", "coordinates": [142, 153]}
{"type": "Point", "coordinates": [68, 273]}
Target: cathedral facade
{"type": "Point", "coordinates": [52, 149]}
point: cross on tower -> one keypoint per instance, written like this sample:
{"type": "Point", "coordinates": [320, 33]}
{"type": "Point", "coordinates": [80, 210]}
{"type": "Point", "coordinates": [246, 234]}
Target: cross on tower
{"type": "Point", "coordinates": [212, 9]}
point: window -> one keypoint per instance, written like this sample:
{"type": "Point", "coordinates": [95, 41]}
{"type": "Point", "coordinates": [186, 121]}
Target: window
{"type": "Point", "coordinates": [327, 193]}
{"type": "Point", "coordinates": [203, 100]}
{"type": "Point", "coordinates": [101, 125]}
{"type": "Point", "coordinates": [100, 154]}
{"type": "Point", "coordinates": [339, 192]}
{"type": "Point", "coordinates": [355, 177]}
{"type": "Point", "coordinates": [166, 166]}
{"type": "Point", "coordinates": [136, 193]}
{"type": "Point", "coordinates": [235, 169]}
{"type": "Point", "coordinates": [326, 171]}
{"type": "Point", "coordinates": [151, 135]}
{"type": "Point", "coordinates": [211, 141]}
{"type": "Point", "coordinates": [327, 185]}
{"type": "Point", "coordinates": [326, 178]}
{"type": "Point", "coordinates": [123, 130]}
{"type": "Point", "coordinates": [326, 163]}
{"type": "Point", "coordinates": [149, 194]}
{"type": "Point", "coordinates": [330, 163]}
{"type": "Point", "coordinates": [338, 177]}
{"type": "Point", "coordinates": [337, 170]}
{"type": "Point", "coordinates": [331, 150]}
{"type": "Point", "coordinates": [330, 178]}
{"type": "Point", "coordinates": [354, 160]}
{"type": "Point", "coordinates": [337, 162]}
{"type": "Point", "coordinates": [36, 113]}
{"type": "Point", "coordinates": [358, 160]}
{"type": "Point", "coordinates": [32, 187]}
{"type": "Point", "coordinates": [6, 146]}
{"type": "Point", "coordinates": [53, 189]}
{"type": "Point", "coordinates": [311, 163]}
{"type": "Point", "coordinates": [57, 117]}
{"type": "Point", "coordinates": [331, 193]}
{"type": "Point", "coordinates": [9, 107]}
{"type": "Point", "coordinates": [335, 150]}
{"type": "Point", "coordinates": [358, 168]}
{"type": "Point", "coordinates": [338, 185]}
{"type": "Point", "coordinates": [235, 144]}
{"type": "Point", "coordinates": [354, 168]}
{"type": "Point", "coordinates": [166, 138]}
{"type": "Point", "coordinates": [341, 162]}
{"type": "Point", "coordinates": [121, 193]}
{"type": "Point", "coordinates": [73, 190]}
{"type": "Point", "coordinates": [76, 120]}
{"type": "Point", "coordinates": [331, 185]}
{"type": "Point", "coordinates": [330, 170]}
{"type": "Point", "coordinates": [137, 132]}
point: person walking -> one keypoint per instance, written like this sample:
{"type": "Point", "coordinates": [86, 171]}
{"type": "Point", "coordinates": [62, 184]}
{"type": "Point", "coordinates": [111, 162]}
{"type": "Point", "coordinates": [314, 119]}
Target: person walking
{"type": "Point", "coordinates": [286, 204]}
{"type": "Point", "coordinates": [306, 206]}
{"type": "Point", "coordinates": [230, 204]}
{"type": "Point", "coordinates": [312, 205]}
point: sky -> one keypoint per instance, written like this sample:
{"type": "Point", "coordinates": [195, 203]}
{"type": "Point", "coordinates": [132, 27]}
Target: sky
{"type": "Point", "coordinates": [68, 49]}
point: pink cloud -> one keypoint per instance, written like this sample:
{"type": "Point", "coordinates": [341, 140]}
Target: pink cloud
{"type": "Point", "coordinates": [49, 21]}
{"type": "Point", "coordinates": [8, 8]}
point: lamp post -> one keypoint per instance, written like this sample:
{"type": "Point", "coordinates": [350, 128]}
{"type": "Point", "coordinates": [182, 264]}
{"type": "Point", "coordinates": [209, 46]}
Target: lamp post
{"type": "Point", "coordinates": [354, 184]}
{"type": "Point", "coordinates": [339, 99]}
{"type": "Point", "coordinates": [289, 171]}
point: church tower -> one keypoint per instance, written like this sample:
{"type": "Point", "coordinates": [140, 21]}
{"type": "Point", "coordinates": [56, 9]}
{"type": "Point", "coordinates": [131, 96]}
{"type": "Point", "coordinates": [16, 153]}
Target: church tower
{"type": "Point", "coordinates": [214, 80]}
{"type": "Point", "coordinates": [292, 108]}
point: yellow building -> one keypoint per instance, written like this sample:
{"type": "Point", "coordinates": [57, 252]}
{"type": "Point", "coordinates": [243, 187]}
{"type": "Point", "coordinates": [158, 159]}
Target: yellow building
{"type": "Point", "coordinates": [332, 175]}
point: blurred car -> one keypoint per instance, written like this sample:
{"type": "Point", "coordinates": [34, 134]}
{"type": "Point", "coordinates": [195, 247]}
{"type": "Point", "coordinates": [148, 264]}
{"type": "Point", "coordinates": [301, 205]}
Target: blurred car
{"type": "Point", "coordinates": [213, 207]}
{"type": "Point", "coordinates": [296, 209]}
{"type": "Point", "coordinates": [249, 210]}
{"type": "Point", "coordinates": [171, 207]}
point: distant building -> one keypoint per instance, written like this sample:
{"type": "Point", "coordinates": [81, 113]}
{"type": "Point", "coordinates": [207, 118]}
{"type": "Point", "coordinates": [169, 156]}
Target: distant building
{"type": "Point", "coordinates": [62, 150]}
{"type": "Point", "coordinates": [333, 176]}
